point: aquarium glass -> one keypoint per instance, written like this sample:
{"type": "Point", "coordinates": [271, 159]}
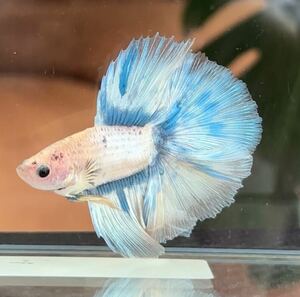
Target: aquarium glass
{"type": "Point", "coordinates": [52, 58]}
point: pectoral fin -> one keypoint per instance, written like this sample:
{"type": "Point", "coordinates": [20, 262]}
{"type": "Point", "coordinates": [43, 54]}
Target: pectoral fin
{"type": "Point", "coordinates": [86, 177]}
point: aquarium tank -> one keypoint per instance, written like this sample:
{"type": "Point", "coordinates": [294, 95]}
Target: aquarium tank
{"type": "Point", "coordinates": [53, 56]}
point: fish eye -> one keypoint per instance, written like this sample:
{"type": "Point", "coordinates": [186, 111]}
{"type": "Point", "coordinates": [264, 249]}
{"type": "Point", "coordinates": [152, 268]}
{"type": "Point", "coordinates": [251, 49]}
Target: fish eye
{"type": "Point", "coordinates": [43, 171]}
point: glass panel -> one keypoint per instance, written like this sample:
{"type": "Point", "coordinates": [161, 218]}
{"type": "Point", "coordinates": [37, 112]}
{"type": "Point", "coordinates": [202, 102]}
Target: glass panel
{"type": "Point", "coordinates": [52, 56]}
{"type": "Point", "coordinates": [234, 275]}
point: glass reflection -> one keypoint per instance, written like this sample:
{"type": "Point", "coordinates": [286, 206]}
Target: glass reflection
{"type": "Point", "coordinates": [156, 288]}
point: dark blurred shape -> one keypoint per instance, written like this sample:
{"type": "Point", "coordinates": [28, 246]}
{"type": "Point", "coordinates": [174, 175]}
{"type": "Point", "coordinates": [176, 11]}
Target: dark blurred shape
{"type": "Point", "coordinates": [272, 31]}
{"type": "Point", "coordinates": [277, 276]}
{"type": "Point", "coordinates": [197, 11]}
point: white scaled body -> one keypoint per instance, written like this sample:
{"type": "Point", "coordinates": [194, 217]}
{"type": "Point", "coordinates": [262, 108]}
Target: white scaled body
{"type": "Point", "coordinates": [102, 154]}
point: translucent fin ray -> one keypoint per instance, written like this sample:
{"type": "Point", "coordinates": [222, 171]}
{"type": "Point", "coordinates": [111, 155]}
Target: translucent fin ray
{"type": "Point", "coordinates": [138, 75]}
{"type": "Point", "coordinates": [205, 127]}
{"type": "Point", "coordinates": [122, 233]}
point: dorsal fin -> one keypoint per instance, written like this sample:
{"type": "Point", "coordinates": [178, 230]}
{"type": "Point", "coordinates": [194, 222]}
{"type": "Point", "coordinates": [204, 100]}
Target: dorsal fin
{"type": "Point", "coordinates": [134, 88]}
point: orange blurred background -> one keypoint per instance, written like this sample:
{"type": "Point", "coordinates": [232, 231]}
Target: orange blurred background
{"type": "Point", "coordinates": [51, 56]}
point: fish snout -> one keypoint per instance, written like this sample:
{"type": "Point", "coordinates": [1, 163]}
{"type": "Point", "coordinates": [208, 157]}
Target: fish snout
{"type": "Point", "coordinates": [23, 170]}
{"type": "Point", "coordinates": [20, 170]}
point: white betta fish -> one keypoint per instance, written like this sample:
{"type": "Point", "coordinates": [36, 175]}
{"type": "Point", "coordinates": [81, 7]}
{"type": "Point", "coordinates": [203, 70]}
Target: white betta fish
{"type": "Point", "coordinates": [173, 138]}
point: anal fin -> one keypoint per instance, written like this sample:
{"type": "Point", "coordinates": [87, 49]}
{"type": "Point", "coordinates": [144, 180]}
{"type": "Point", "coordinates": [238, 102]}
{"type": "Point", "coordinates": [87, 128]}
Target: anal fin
{"type": "Point", "coordinates": [122, 233]}
{"type": "Point", "coordinates": [97, 199]}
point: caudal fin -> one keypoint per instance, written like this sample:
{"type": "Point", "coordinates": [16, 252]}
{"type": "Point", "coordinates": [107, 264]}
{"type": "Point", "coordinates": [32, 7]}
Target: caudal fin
{"type": "Point", "coordinates": [205, 127]}
{"type": "Point", "coordinates": [205, 144]}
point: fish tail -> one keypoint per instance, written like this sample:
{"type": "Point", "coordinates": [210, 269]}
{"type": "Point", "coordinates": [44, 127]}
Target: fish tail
{"type": "Point", "coordinates": [205, 140]}
{"type": "Point", "coordinates": [205, 129]}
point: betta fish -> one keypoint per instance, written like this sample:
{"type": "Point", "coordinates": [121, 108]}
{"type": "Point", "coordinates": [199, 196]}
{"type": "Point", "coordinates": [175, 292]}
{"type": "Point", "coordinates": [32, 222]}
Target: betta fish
{"type": "Point", "coordinates": [173, 139]}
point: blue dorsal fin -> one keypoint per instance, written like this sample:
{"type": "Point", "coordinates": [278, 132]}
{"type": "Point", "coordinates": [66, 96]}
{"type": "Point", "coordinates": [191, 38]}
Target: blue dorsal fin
{"type": "Point", "coordinates": [133, 90]}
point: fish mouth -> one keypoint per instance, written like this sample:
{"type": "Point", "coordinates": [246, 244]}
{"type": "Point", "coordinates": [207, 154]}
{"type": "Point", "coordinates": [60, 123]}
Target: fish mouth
{"type": "Point", "coordinates": [24, 174]}
{"type": "Point", "coordinates": [21, 171]}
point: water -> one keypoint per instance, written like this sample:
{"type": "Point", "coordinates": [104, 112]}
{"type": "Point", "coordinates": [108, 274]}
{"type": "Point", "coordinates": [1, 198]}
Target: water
{"type": "Point", "coordinates": [52, 56]}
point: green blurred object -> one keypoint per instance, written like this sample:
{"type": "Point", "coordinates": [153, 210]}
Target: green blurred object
{"type": "Point", "coordinates": [197, 11]}
{"type": "Point", "coordinates": [275, 85]}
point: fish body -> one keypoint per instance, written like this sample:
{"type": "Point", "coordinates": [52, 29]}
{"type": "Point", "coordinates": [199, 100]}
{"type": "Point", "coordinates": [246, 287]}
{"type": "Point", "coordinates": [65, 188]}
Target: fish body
{"type": "Point", "coordinates": [173, 139]}
{"type": "Point", "coordinates": [92, 157]}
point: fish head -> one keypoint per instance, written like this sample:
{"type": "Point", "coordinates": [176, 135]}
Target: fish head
{"type": "Point", "coordinates": [50, 170]}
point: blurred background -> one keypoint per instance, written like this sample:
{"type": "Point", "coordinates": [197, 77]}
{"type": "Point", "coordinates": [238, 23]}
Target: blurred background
{"type": "Point", "coordinates": [53, 54]}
